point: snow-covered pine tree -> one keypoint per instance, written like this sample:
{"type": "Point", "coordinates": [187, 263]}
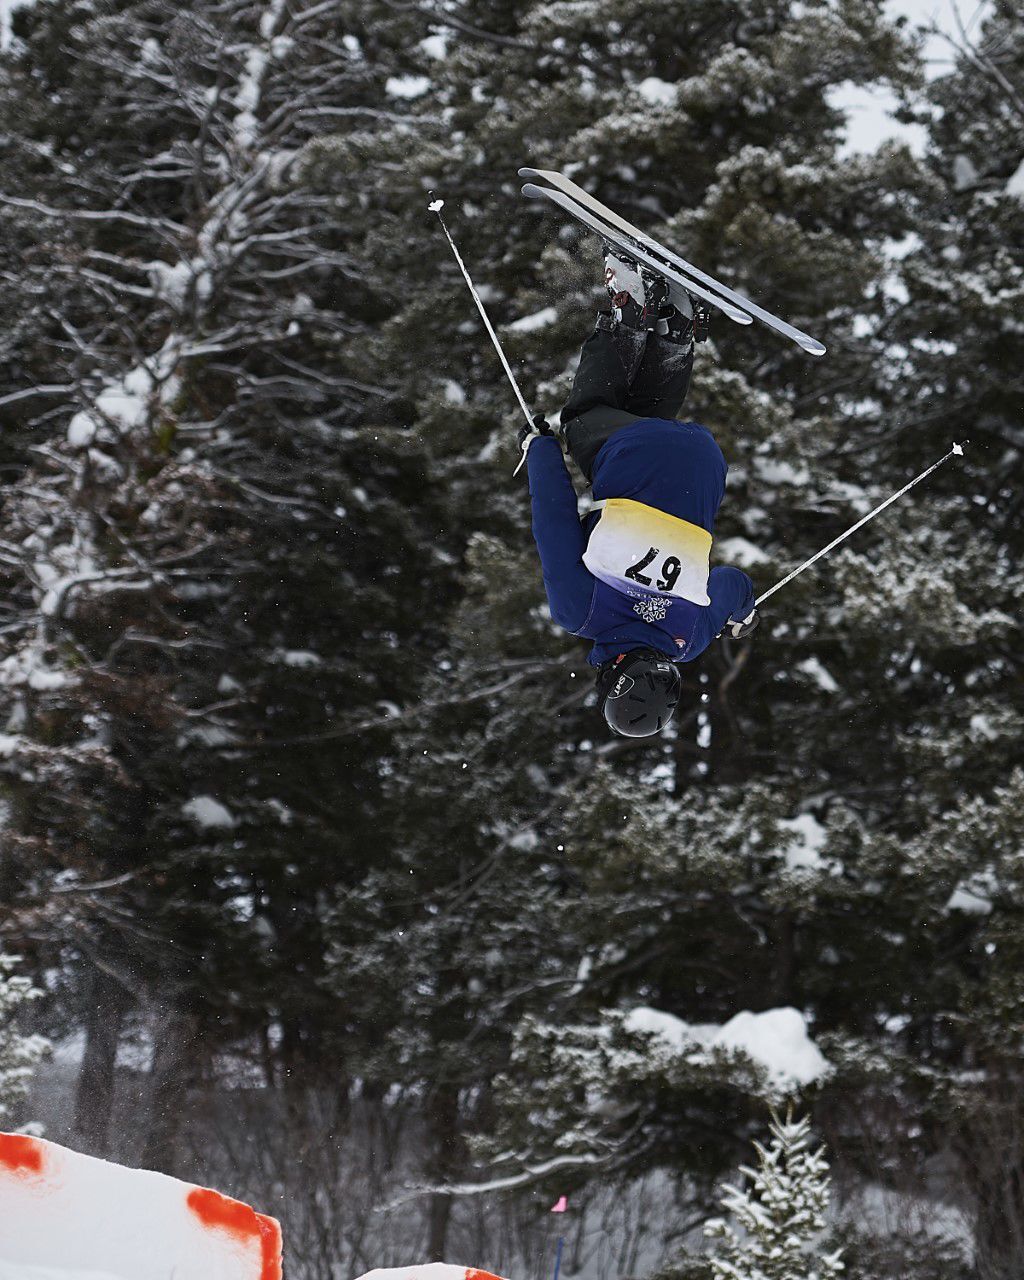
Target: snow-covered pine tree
{"type": "Point", "coordinates": [200, 548]}
{"type": "Point", "coordinates": [19, 1053]}
{"type": "Point", "coordinates": [778, 1212]}
{"type": "Point", "coordinates": [954, 588]}
{"type": "Point", "coordinates": [750, 860]}
{"type": "Point", "coordinates": [697, 125]}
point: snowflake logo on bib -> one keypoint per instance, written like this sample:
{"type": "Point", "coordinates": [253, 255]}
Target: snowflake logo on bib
{"type": "Point", "coordinates": [651, 608]}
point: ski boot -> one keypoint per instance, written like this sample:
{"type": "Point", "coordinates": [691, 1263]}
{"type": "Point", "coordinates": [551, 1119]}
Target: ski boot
{"type": "Point", "coordinates": [629, 287]}
{"type": "Point", "coordinates": [641, 299]}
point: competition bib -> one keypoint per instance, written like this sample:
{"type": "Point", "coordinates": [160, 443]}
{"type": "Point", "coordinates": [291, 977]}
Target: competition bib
{"type": "Point", "coordinates": [636, 546]}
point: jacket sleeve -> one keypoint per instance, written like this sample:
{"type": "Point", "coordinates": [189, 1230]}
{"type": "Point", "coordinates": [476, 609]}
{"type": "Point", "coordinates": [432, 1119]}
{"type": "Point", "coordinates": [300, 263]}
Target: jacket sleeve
{"type": "Point", "coordinates": [559, 535]}
{"type": "Point", "coordinates": [732, 596]}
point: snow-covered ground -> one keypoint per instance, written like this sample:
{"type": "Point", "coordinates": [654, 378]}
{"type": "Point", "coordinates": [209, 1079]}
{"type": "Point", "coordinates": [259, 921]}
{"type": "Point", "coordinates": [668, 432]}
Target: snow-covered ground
{"type": "Point", "coordinates": [429, 1271]}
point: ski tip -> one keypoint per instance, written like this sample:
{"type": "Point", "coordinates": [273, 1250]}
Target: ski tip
{"type": "Point", "coordinates": [813, 347]}
{"type": "Point", "coordinates": [541, 175]}
{"type": "Point", "coordinates": [533, 192]}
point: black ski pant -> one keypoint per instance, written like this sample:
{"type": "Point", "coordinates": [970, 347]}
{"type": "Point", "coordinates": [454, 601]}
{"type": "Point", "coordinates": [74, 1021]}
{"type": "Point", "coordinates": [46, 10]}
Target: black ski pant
{"type": "Point", "coordinates": [624, 375]}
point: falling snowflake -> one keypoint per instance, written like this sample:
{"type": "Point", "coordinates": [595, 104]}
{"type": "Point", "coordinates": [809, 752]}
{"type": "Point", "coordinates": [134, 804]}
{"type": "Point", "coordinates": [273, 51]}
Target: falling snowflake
{"type": "Point", "coordinates": [651, 609]}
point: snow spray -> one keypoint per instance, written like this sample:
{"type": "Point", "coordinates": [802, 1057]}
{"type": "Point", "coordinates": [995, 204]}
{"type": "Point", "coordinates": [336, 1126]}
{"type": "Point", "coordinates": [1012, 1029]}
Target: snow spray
{"type": "Point", "coordinates": [957, 451]}
{"type": "Point", "coordinates": [436, 206]}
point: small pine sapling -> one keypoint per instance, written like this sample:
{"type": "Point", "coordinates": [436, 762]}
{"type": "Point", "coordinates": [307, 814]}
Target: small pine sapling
{"type": "Point", "coordinates": [19, 1054]}
{"type": "Point", "coordinates": [779, 1212]}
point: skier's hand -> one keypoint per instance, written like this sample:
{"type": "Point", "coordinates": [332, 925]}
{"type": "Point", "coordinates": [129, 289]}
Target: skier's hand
{"type": "Point", "coordinates": [527, 434]}
{"type": "Point", "coordinates": [539, 427]}
{"type": "Point", "coordinates": [740, 627]}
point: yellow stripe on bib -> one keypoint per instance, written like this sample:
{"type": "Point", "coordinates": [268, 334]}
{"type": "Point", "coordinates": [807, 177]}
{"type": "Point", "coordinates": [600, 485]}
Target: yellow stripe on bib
{"type": "Point", "coordinates": [638, 549]}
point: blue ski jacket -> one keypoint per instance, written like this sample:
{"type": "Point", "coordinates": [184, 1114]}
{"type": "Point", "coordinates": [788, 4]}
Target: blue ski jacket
{"type": "Point", "coordinates": [674, 467]}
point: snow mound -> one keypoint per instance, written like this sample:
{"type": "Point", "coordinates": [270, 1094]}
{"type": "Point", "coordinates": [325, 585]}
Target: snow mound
{"type": "Point", "coordinates": [429, 1271]}
{"type": "Point", "coordinates": [776, 1040]}
{"type": "Point", "coordinates": [65, 1216]}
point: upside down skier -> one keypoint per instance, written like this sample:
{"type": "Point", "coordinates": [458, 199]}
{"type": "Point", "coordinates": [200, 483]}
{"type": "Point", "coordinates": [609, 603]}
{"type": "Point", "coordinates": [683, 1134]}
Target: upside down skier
{"type": "Point", "coordinates": [634, 576]}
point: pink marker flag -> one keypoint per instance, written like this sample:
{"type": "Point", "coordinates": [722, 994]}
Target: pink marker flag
{"type": "Point", "coordinates": [560, 1205]}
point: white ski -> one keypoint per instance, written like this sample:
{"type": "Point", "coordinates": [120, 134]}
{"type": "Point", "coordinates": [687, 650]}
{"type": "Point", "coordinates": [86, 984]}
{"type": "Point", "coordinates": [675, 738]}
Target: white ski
{"type": "Point", "coordinates": [606, 222]}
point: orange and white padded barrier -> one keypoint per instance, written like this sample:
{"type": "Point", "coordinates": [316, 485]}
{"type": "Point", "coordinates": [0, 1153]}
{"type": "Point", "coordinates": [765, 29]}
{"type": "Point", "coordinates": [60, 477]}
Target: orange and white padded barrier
{"type": "Point", "coordinates": [65, 1216]}
{"type": "Point", "coordinates": [430, 1271]}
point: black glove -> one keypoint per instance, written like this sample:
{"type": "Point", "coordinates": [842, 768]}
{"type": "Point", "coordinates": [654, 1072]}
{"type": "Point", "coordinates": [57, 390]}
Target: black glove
{"type": "Point", "coordinates": [740, 627]}
{"type": "Point", "coordinates": [527, 434]}
{"type": "Point", "coordinates": [539, 428]}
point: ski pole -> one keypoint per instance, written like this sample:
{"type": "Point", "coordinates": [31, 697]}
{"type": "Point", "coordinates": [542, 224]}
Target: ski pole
{"type": "Point", "coordinates": [436, 206]}
{"type": "Point", "coordinates": [561, 1205]}
{"type": "Point", "coordinates": [956, 451]}
{"type": "Point", "coordinates": [558, 1256]}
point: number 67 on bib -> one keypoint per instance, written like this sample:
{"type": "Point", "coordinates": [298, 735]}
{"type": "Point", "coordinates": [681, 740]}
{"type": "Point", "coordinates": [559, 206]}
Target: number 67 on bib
{"type": "Point", "coordinates": [635, 545]}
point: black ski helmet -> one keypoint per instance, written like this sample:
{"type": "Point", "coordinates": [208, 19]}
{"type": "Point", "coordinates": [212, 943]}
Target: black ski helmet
{"type": "Point", "coordinates": [637, 692]}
